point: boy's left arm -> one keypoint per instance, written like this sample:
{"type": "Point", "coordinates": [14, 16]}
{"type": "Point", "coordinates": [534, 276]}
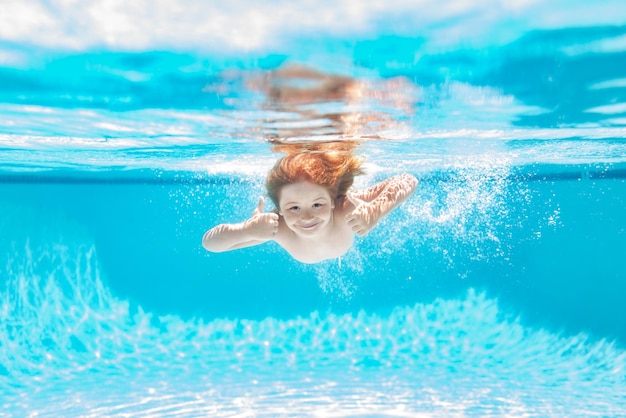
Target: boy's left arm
{"type": "Point", "coordinates": [374, 203]}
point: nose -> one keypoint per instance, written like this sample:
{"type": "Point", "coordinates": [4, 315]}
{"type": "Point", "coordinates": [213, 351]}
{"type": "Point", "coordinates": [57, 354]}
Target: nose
{"type": "Point", "coordinates": [306, 214]}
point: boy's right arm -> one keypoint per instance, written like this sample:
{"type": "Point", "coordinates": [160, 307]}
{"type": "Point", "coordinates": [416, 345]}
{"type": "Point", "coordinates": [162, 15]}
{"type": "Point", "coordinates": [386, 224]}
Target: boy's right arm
{"type": "Point", "coordinates": [260, 228]}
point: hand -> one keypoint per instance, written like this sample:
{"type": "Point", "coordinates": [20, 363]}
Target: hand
{"type": "Point", "coordinates": [262, 225]}
{"type": "Point", "coordinates": [362, 219]}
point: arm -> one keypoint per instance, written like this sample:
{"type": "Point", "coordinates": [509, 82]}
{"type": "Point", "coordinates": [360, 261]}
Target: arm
{"type": "Point", "coordinates": [260, 228]}
{"type": "Point", "coordinates": [374, 203]}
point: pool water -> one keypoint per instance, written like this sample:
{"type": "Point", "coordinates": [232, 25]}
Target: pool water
{"type": "Point", "coordinates": [496, 290]}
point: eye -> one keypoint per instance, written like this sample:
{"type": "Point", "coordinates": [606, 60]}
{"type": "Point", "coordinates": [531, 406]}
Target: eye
{"type": "Point", "coordinates": [318, 205]}
{"type": "Point", "coordinates": [294, 208]}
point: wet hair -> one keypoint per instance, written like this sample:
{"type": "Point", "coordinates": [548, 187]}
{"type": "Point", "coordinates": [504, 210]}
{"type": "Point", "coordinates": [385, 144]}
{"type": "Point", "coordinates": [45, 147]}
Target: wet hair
{"type": "Point", "coordinates": [331, 166]}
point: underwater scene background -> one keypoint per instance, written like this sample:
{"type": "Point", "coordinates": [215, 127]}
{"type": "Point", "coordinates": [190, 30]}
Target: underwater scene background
{"type": "Point", "coordinates": [128, 130]}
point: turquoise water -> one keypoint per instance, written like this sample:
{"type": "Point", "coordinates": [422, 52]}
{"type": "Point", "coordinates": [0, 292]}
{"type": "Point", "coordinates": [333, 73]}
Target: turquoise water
{"type": "Point", "coordinates": [496, 290]}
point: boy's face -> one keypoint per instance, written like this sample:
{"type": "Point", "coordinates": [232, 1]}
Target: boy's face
{"type": "Point", "coordinates": [306, 208]}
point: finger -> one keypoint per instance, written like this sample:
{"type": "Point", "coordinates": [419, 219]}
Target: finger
{"type": "Point", "coordinates": [352, 216]}
{"type": "Point", "coordinates": [271, 218]}
{"type": "Point", "coordinates": [259, 206]}
{"type": "Point", "coordinates": [358, 231]}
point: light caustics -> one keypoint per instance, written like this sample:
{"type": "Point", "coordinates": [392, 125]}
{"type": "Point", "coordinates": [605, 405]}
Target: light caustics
{"type": "Point", "coordinates": [60, 325]}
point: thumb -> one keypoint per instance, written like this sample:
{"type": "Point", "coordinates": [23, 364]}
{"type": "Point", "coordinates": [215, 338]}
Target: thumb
{"type": "Point", "coordinates": [259, 206]}
{"type": "Point", "coordinates": [353, 199]}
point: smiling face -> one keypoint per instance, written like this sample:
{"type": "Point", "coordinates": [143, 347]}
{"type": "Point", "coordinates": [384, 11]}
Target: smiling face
{"type": "Point", "coordinates": [306, 208]}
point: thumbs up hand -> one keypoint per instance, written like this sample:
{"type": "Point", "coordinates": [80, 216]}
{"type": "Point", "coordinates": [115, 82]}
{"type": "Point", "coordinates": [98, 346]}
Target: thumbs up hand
{"type": "Point", "coordinates": [262, 225]}
{"type": "Point", "coordinates": [363, 218]}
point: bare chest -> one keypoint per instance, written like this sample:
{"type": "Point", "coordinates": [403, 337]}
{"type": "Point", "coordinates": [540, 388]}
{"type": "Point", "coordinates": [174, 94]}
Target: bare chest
{"type": "Point", "coordinates": [314, 250]}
